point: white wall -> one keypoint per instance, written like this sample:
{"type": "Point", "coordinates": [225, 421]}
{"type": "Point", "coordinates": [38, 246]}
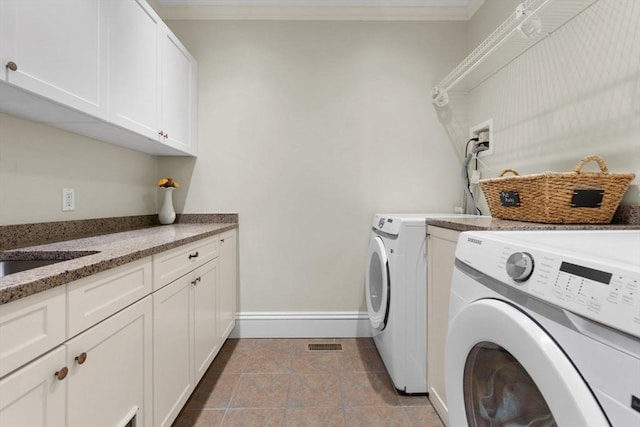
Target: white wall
{"type": "Point", "coordinates": [306, 129]}
{"type": "Point", "coordinates": [574, 94]}
{"type": "Point", "coordinates": [37, 161]}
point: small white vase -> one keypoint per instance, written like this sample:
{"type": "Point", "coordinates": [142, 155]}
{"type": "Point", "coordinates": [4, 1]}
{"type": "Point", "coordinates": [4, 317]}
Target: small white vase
{"type": "Point", "coordinates": [167, 214]}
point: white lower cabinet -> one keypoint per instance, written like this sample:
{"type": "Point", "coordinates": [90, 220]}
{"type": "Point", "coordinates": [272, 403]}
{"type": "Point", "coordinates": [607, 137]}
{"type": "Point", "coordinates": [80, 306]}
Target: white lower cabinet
{"type": "Point", "coordinates": [33, 396]}
{"type": "Point", "coordinates": [110, 372]}
{"type": "Point", "coordinates": [30, 327]}
{"type": "Point", "coordinates": [172, 349]}
{"type": "Point", "coordinates": [102, 377]}
{"type": "Point", "coordinates": [107, 350]}
{"type": "Point", "coordinates": [193, 316]}
{"type": "Point", "coordinates": [206, 342]}
{"type": "Point", "coordinates": [226, 300]}
{"type": "Point", "coordinates": [185, 338]}
{"type": "Point", "coordinates": [441, 251]}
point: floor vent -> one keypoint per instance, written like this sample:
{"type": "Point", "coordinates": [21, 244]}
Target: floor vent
{"type": "Point", "coordinates": [325, 347]}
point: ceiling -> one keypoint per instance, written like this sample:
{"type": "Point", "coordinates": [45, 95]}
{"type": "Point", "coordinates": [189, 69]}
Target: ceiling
{"type": "Point", "coordinates": [413, 10]}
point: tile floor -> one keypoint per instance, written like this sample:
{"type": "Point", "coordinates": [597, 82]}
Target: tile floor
{"type": "Point", "coordinates": [278, 382]}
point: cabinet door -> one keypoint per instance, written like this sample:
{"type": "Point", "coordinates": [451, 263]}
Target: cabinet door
{"type": "Point", "coordinates": [56, 47]}
{"type": "Point", "coordinates": [134, 47]}
{"type": "Point", "coordinates": [206, 340]}
{"type": "Point", "coordinates": [178, 89]}
{"type": "Point", "coordinates": [441, 251]}
{"type": "Point", "coordinates": [7, 11]}
{"type": "Point", "coordinates": [113, 384]}
{"type": "Point", "coordinates": [172, 349]}
{"type": "Point", "coordinates": [30, 327]}
{"type": "Point", "coordinates": [227, 288]}
{"type": "Point", "coordinates": [33, 396]}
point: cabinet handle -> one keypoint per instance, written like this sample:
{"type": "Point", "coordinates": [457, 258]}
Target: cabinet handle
{"type": "Point", "coordinates": [80, 359]}
{"type": "Point", "coordinates": [12, 66]}
{"type": "Point", "coordinates": [166, 136]}
{"type": "Point", "coordinates": [194, 255]}
{"type": "Point", "coordinates": [221, 240]}
{"type": "Point", "coordinates": [195, 282]}
{"type": "Point", "coordinates": [161, 133]}
{"type": "Point", "coordinates": [62, 373]}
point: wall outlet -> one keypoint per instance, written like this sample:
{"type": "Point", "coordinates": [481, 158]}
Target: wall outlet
{"type": "Point", "coordinates": [68, 199]}
{"type": "Point", "coordinates": [484, 132]}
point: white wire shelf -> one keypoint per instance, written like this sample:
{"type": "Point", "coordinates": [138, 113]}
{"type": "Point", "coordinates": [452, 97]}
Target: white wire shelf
{"type": "Point", "coordinates": [531, 22]}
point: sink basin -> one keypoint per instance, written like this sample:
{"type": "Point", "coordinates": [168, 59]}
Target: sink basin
{"type": "Point", "coordinates": [10, 266]}
{"type": "Point", "coordinates": [16, 266]}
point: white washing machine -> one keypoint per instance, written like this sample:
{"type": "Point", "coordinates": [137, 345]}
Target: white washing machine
{"type": "Point", "coordinates": [396, 294]}
{"type": "Point", "coordinates": [544, 329]}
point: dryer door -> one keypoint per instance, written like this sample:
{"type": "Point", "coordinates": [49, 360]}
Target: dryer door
{"type": "Point", "coordinates": [377, 284]}
{"type": "Point", "coordinates": [504, 369]}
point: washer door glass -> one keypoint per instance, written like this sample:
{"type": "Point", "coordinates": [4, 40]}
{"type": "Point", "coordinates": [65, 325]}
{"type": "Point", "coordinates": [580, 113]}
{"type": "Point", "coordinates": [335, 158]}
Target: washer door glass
{"type": "Point", "coordinates": [503, 369]}
{"type": "Point", "coordinates": [377, 284]}
{"type": "Point", "coordinates": [499, 391]}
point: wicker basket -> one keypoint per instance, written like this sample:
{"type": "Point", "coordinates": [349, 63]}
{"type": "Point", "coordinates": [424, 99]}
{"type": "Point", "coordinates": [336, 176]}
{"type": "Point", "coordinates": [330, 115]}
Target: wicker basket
{"type": "Point", "coordinates": [574, 197]}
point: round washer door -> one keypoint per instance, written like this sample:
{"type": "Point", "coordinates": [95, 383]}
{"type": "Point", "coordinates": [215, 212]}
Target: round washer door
{"type": "Point", "coordinates": [504, 369]}
{"type": "Point", "coordinates": [377, 284]}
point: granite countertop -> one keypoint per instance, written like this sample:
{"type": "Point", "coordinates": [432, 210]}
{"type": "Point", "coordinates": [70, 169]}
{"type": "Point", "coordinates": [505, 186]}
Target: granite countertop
{"type": "Point", "coordinates": [481, 223]}
{"type": "Point", "coordinates": [99, 253]}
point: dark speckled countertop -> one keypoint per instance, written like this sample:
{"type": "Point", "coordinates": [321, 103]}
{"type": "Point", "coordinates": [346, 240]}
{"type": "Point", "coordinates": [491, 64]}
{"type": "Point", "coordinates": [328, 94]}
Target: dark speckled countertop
{"type": "Point", "coordinates": [626, 217]}
{"type": "Point", "coordinates": [487, 223]}
{"type": "Point", "coordinates": [104, 252]}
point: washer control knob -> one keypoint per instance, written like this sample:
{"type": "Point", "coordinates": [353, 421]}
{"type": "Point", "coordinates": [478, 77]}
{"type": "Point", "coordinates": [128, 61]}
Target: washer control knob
{"type": "Point", "coordinates": [520, 266]}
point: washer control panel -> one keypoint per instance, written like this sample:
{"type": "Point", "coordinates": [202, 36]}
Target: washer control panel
{"type": "Point", "coordinates": [607, 296]}
{"type": "Point", "coordinates": [606, 292]}
{"type": "Point", "coordinates": [385, 224]}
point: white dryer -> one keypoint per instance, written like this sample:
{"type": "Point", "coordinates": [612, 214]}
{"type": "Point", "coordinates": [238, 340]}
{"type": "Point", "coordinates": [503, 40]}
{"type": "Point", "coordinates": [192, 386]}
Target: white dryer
{"type": "Point", "coordinates": [396, 294]}
{"type": "Point", "coordinates": [544, 329]}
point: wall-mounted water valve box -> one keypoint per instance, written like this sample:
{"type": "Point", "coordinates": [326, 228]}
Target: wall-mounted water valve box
{"type": "Point", "coordinates": [484, 132]}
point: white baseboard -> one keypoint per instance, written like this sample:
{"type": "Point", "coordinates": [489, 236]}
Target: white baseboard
{"type": "Point", "coordinates": [330, 324]}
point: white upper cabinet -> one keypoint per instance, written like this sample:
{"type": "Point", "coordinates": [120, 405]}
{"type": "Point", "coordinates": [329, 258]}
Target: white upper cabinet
{"type": "Point", "coordinates": [178, 90]}
{"type": "Point", "coordinates": [53, 49]}
{"type": "Point", "coordinates": [110, 70]}
{"type": "Point", "coordinates": [134, 48]}
{"type": "Point", "coordinates": [6, 25]}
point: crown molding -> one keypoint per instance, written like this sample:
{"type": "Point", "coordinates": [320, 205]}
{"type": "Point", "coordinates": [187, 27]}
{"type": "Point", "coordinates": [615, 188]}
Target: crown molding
{"type": "Point", "coordinates": [208, 10]}
{"type": "Point", "coordinates": [473, 7]}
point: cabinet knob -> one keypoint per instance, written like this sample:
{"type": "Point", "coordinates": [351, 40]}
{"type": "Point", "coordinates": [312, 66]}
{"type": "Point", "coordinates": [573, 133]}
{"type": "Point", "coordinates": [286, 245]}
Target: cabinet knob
{"type": "Point", "coordinates": [221, 240]}
{"type": "Point", "coordinates": [62, 373]}
{"type": "Point", "coordinates": [81, 358]}
{"type": "Point", "coordinates": [197, 279]}
{"type": "Point", "coordinates": [12, 66]}
{"type": "Point", "coordinates": [194, 255]}
{"type": "Point", "coordinates": [161, 133]}
{"type": "Point", "coordinates": [166, 136]}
